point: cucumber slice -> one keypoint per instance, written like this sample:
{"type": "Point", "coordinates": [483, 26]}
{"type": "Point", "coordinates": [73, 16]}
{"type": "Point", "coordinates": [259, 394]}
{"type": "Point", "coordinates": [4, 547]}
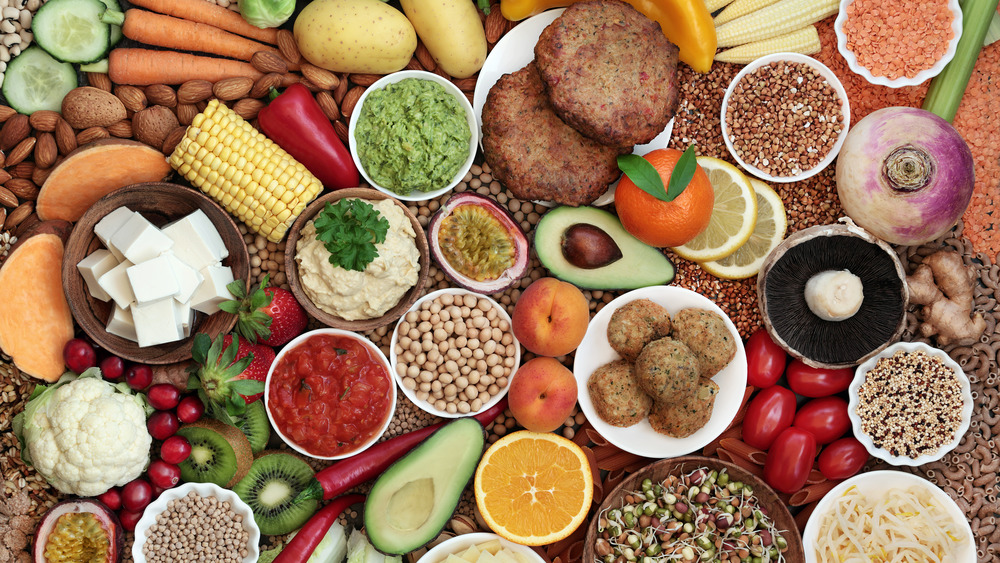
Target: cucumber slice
{"type": "Point", "coordinates": [34, 80]}
{"type": "Point", "coordinates": [116, 30]}
{"type": "Point", "coordinates": [102, 66]}
{"type": "Point", "coordinates": [72, 30]}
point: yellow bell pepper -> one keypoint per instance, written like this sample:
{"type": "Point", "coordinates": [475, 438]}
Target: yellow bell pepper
{"type": "Point", "coordinates": [686, 23]}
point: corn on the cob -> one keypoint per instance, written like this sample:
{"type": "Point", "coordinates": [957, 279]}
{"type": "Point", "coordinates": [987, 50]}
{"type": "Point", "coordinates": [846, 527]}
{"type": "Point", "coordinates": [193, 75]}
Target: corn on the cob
{"type": "Point", "coordinates": [777, 19]}
{"type": "Point", "coordinates": [739, 8]}
{"type": "Point", "coordinates": [252, 177]}
{"type": "Point", "coordinates": [804, 41]}
{"type": "Point", "coordinates": [714, 5]}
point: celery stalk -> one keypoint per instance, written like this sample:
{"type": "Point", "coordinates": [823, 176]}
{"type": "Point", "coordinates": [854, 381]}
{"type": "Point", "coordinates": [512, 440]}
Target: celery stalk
{"type": "Point", "coordinates": [946, 89]}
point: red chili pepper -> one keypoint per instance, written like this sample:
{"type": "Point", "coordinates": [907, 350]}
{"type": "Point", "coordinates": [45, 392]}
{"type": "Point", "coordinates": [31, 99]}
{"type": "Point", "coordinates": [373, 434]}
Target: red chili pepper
{"type": "Point", "coordinates": [304, 543]}
{"type": "Point", "coordinates": [370, 463]}
{"type": "Point", "coordinates": [295, 121]}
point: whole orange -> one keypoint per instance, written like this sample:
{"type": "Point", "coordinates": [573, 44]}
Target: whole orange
{"type": "Point", "coordinates": [665, 223]}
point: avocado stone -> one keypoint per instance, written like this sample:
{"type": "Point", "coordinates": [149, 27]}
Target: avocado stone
{"type": "Point", "coordinates": [412, 501]}
{"type": "Point", "coordinates": [641, 265]}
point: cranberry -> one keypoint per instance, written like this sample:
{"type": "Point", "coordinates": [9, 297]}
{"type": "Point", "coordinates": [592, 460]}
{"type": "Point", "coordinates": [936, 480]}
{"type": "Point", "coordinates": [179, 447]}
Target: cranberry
{"type": "Point", "coordinates": [129, 518]}
{"type": "Point", "coordinates": [136, 495]}
{"type": "Point", "coordinates": [163, 474]}
{"type": "Point", "coordinates": [113, 368]}
{"type": "Point", "coordinates": [163, 396]}
{"type": "Point", "coordinates": [112, 498]}
{"type": "Point", "coordinates": [79, 355]}
{"type": "Point", "coordinates": [139, 376]}
{"type": "Point", "coordinates": [162, 424]}
{"type": "Point", "coordinates": [175, 449]}
{"type": "Point", "coordinates": [190, 409]}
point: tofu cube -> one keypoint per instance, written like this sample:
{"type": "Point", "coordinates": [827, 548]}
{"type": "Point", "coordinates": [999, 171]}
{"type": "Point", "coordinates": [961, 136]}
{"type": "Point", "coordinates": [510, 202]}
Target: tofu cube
{"type": "Point", "coordinates": [187, 277]}
{"type": "Point", "coordinates": [115, 283]}
{"type": "Point", "coordinates": [95, 265]}
{"type": "Point", "coordinates": [196, 240]}
{"type": "Point", "coordinates": [212, 290]}
{"type": "Point", "coordinates": [184, 316]}
{"type": "Point", "coordinates": [139, 240]}
{"type": "Point", "coordinates": [153, 280]}
{"type": "Point", "coordinates": [120, 323]}
{"type": "Point", "coordinates": [155, 322]}
{"type": "Point", "coordinates": [109, 225]}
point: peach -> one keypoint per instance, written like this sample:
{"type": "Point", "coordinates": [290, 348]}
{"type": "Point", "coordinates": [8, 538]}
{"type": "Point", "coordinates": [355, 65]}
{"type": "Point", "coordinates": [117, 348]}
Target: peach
{"type": "Point", "coordinates": [542, 394]}
{"type": "Point", "coordinates": [551, 317]}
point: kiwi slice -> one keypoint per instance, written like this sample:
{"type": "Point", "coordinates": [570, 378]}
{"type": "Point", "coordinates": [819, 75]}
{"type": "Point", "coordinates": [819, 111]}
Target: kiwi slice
{"type": "Point", "coordinates": [220, 453]}
{"type": "Point", "coordinates": [254, 424]}
{"type": "Point", "coordinates": [275, 479]}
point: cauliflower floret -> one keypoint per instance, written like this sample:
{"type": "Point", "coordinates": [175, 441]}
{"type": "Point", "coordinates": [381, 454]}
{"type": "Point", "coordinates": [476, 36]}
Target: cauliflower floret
{"type": "Point", "coordinates": [89, 438]}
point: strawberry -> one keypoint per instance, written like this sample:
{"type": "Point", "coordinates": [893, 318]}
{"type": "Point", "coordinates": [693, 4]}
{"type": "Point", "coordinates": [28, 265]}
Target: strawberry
{"type": "Point", "coordinates": [228, 375]}
{"type": "Point", "coordinates": [270, 315]}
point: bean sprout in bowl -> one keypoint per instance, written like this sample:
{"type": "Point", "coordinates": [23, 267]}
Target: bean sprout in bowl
{"type": "Point", "coordinates": [329, 394]}
{"type": "Point", "coordinates": [472, 371]}
{"type": "Point", "coordinates": [389, 87]}
{"type": "Point", "coordinates": [910, 405]}
{"type": "Point", "coordinates": [804, 104]}
{"type": "Point", "coordinates": [145, 529]}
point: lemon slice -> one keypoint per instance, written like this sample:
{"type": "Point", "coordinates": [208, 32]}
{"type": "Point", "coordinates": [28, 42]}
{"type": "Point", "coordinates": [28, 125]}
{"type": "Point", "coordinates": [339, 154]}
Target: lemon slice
{"type": "Point", "coordinates": [767, 234]}
{"type": "Point", "coordinates": [733, 216]}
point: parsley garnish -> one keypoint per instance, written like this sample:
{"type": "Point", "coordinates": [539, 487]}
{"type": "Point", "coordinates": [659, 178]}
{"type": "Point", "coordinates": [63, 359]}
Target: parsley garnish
{"type": "Point", "coordinates": [350, 229]}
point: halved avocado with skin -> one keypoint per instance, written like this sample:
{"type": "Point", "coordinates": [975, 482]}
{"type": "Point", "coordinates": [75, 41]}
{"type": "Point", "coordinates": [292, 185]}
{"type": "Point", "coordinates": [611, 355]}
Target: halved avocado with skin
{"type": "Point", "coordinates": [563, 247]}
{"type": "Point", "coordinates": [412, 501]}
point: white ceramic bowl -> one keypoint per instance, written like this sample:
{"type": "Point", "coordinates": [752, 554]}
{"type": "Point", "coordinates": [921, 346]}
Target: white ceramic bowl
{"type": "Point", "coordinates": [458, 544]}
{"type": "Point", "coordinates": [640, 438]}
{"type": "Point", "coordinates": [830, 77]}
{"type": "Point", "coordinates": [412, 395]}
{"type": "Point", "coordinates": [470, 117]}
{"type": "Point", "coordinates": [852, 59]}
{"type": "Point", "coordinates": [376, 353]}
{"type": "Point", "coordinates": [876, 483]}
{"type": "Point", "coordinates": [859, 379]}
{"type": "Point", "coordinates": [205, 490]}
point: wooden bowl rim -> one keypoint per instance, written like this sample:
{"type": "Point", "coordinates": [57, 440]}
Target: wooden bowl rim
{"type": "Point", "coordinates": [82, 236]}
{"type": "Point", "coordinates": [333, 321]}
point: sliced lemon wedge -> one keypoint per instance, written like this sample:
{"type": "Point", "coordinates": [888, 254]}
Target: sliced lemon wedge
{"type": "Point", "coordinates": [768, 232]}
{"type": "Point", "coordinates": [733, 216]}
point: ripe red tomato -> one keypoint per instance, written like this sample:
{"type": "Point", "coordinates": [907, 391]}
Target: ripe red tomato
{"type": "Point", "coordinates": [817, 382]}
{"type": "Point", "coordinates": [843, 458]}
{"type": "Point", "coordinates": [825, 418]}
{"type": "Point", "coordinates": [790, 460]}
{"type": "Point", "coordinates": [768, 413]}
{"type": "Point", "coordinates": [765, 360]}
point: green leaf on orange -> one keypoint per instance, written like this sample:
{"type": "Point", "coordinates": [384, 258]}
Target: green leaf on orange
{"type": "Point", "coordinates": [645, 176]}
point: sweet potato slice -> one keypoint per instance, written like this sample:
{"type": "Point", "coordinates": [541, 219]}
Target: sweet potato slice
{"type": "Point", "coordinates": [35, 320]}
{"type": "Point", "coordinates": [95, 170]}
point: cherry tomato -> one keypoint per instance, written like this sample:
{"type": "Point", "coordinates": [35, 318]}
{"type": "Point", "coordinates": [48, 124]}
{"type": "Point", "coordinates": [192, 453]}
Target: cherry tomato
{"type": "Point", "coordinates": [136, 495]}
{"type": "Point", "coordinates": [770, 412]}
{"type": "Point", "coordinates": [817, 382]}
{"type": "Point", "coordinates": [790, 459]}
{"type": "Point", "coordinates": [765, 360]}
{"type": "Point", "coordinates": [79, 355]}
{"type": "Point", "coordinates": [825, 418]}
{"type": "Point", "coordinates": [842, 458]}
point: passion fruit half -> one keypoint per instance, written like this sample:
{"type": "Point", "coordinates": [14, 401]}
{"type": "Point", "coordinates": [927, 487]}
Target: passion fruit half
{"type": "Point", "coordinates": [79, 530]}
{"type": "Point", "coordinates": [478, 244]}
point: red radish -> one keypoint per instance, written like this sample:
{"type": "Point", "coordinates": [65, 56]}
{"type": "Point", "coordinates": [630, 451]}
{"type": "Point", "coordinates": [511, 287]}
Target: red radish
{"type": "Point", "coordinates": [162, 424]}
{"type": "Point", "coordinates": [139, 376]}
{"type": "Point", "coordinates": [175, 449]}
{"type": "Point", "coordinates": [229, 374]}
{"type": "Point", "coordinates": [112, 498]}
{"type": "Point", "coordinates": [112, 368]}
{"type": "Point", "coordinates": [190, 409]}
{"type": "Point", "coordinates": [129, 518]}
{"type": "Point", "coordinates": [302, 546]}
{"type": "Point", "coordinates": [270, 315]}
{"type": "Point", "coordinates": [136, 495]}
{"type": "Point", "coordinates": [163, 474]}
{"type": "Point", "coordinates": [163, 396]}
{"type": "Point", "coordinates": [79, 355]}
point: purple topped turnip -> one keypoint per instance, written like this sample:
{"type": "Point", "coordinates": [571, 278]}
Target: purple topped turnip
{"type": "Point", "coordinates": [905, 175]}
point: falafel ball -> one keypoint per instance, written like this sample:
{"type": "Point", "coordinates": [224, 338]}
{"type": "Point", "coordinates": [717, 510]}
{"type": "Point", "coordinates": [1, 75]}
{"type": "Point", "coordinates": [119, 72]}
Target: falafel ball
{"type": "Point", "coordinates": [681, 420]}
{"type": "Point", "coordinates": [706, 334]}
{"type": "Point", "coordinates": [667, 370]}
{"type": "Point", "coordinates": [635, 324]}
{"type": "Point", "coordinates": [616, 395]}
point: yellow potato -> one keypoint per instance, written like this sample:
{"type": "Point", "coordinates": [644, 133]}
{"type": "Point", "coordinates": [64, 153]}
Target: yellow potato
{"type": "Point", "coordinates": [452, 32]}
{"type": "Point", "coordinates": [363, 36]}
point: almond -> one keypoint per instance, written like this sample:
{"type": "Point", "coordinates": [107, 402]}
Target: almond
{"type": "Point", "coordinates": [186, 113]}
{"type": "Point", "coordinates": [91, 134]}
{"type": "Point", "coordinates": [6, 112]}
{"type": "Point", "coordinates": [3, 218]}
{"type": "Point", "coordinates": [46, 150]}
{"type": "Point", "coordinates": [466, 84]}
{"type": "Point", "coordinates": [161, 95]}
{"type": "Point", "coordinates": [495, 26]}
{"type": "Point", "coordinates": [320, 76]}
{"type": "Point", "coordinates": [86, 107]}
{"type": "Point", "coordinates": [122, 129]}
{"type": "Point", "coordinates": [232, 88]}
{"type": "Point", "coordinates": [247, 108]}
{"type": "Point", "coordinates": [65, 137]}
{"type": "Point", "coordinates": [328, 105]}
{"type": "Point", "coordinates": [152, 125]}
{"type": "Point", "coordinates": [23, 169]}
{"type": "Point", "coordinates": [24, 189]}
{"type": "Point", "coordinates": [425, 58]}
{"type": "Point", "coordinates": [44, 120]}
{"type": "Point", "coordinates": [173, 138]}
{"type": "Point", "coordinates": [364, 79]}
{"type": "Point", "coordinates": [414, 64]}
{"type": "Point", "coordinates": [340, 91]}
{"type": "Point", "coordinates": [194, 91]}
{"type": "Point", "coordinates": [4, 176]}
{"type": "Point", "coordinates": [41, 174]}
{"type": "Point", "coordinates": [24, 226]}
{"type": "Point", "coordinates": [289, 49]}
{"type": "Point", "coordinates": [7, 198]}
{"type": "Point", "coordinates": [350, 100]}
{"type": "Point", "coordinates": [341, 130]}
{"type": "Point", "coordinates": [20, 213]}
{"type": "Point", "coordinates": [309, 85]}
{"type": "Point", "coordinates": [21, 151]}
{"type": "Point", "coordinates": [14, 130]}
{"type": "Point", "coordinates": [132, 97]}
{"type": "Point", "coordinates": [269, 61]}
{"type": "Point", "coordinates": [99, 80]}
{"type": "Point", "coordinates": [264, 85]}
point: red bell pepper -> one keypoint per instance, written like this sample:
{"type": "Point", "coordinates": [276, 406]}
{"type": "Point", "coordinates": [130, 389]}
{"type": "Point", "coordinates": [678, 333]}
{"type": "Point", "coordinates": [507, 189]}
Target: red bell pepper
{"type": "Point", "coordinates": [295, 121]}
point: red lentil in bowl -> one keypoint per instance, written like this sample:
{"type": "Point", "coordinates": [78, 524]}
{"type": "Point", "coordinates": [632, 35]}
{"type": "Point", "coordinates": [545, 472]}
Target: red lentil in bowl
{"type": "Point", "coordinates": [785, 117]}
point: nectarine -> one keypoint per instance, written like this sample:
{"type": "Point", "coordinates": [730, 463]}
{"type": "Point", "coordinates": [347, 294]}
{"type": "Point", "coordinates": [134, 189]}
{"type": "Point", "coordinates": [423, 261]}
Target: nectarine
{"type": "Point", "coordinates": [542, 394]}
{"type": "Point", "coordinates": [551, 317]}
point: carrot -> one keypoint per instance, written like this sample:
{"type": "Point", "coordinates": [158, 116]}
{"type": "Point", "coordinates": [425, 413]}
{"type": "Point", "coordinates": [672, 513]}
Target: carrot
{"type": "Point", "coordinates": [146, 66]}
{"type": "Point", "coordinates": [211, 14]}
{"type": "Point", "coordinates": [152, 28]}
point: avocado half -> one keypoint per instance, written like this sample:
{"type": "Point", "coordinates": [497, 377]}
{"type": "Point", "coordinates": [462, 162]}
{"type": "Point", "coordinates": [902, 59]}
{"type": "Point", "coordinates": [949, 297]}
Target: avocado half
{"type": "Point", "coordinates": [412, 501]}
{"type": "Point", "coordinates": [640, 265]}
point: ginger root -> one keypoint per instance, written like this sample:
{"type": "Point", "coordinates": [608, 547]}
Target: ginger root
{"type": "Point", "coordinates": [945, 287]}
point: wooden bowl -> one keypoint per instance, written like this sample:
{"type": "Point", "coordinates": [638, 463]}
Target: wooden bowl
{"type": "Point", "coordinates": [658, 471]}
{"type": "Point", "coordinates": [292, 269]}
{"type": "Point", "coordinates": [160, 203]}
